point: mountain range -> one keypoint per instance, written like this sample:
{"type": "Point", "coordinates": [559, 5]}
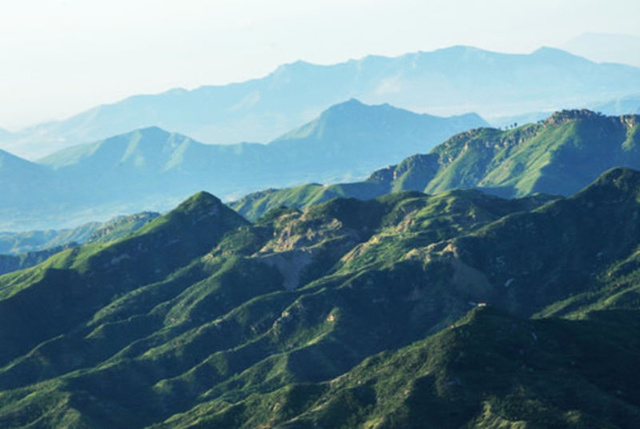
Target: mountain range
{"type": "Point", "coordinates": [627, 105]}
{"type": "Point", "coordinates": [23, 250]}
{"type": "Point", "coordinates": [557, 156]}
{"type": "Point", "coordinates": [449, 81]}
{"type": "Point", "coordinates": [479, 278]}
{"type": "Point", "coordinates": [152, 169]}
{"type": "Point", "coordinates": [18, 243]}
{"type": "Point", "coordinates": [458, 309]}
{"type": "Point", "coordinates": [621, 106]}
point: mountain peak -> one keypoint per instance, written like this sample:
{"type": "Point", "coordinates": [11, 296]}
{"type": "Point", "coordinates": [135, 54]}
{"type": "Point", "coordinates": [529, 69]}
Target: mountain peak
{"type": "Point", "coordinates": [549, 51]}
{"type": "Point", "coordinates": [200, 202]}
{"type": "Point", "coordinates": [460, 49]}
{"type": "Point", "coordinates": [350, 103]}
{"type": "Point", "coordinates": [292, 67]}
{"type": "Point", "coordinates": [141, 147]}
{"type": "Point", "coordinates": [352, 117]}
{"type": "Point", "coordinates": [618, 179]}
{"type": "Point", "coordinates": [564, 116]}
{"type": "Point", "coordinates": [202, 217]}
{"type": "Point", "coordinates": [151, 133]}
{"type": "Point", "coordinates": [153, 130]}
{"type": "Point", "coordinates": [353, 105]}
{"type": "Point", "coordinates": [208, 212]}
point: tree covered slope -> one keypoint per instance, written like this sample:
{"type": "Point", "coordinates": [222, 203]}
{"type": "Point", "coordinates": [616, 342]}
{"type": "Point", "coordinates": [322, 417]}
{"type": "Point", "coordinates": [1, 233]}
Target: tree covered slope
{"type": "Point", "coordinates": [557, 156]}
{"type": "Point", "coordinates": [349, 314]}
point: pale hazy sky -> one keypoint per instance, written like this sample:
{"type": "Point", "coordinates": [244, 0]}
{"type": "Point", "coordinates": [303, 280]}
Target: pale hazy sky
{"type": "Point", "coordinates": [58, 57]}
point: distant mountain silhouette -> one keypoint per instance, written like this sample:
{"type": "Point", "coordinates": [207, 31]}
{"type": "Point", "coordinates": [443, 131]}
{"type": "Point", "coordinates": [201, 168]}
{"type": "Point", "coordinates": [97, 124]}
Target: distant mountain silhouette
{"type": "Point", "coordinates": [448, 81]}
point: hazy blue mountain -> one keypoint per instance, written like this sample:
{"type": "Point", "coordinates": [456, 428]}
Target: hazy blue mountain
{"type": "Point", "coordinates": [557, 156]}
{"type": "Point", "coordinates": [628, 105]}
{"type": "Point", "coordinates": [11, 263]}
{"type": "Point", "coordinates": [26, 187]}
{"type": "Point", "coordinates": [622, 106]}
{"type": "Point", "coordinates": [120, 226]}
{"type": "Point", "coordinates": [347, 140]}
{"type": "Point", "coordinates": [23, 250]}
{"type": "Point", "coordinates": [444, 82]}
{"type": "Point", "coordinates": [34, 197]}
{"type": "Point", "coordinates": [152, 169]}
{"type": "Point", "coordinates": [34, 241]}
{"type": "Point", "coordinates": [13, 243]}
{"type": "Point", "coordinates": [351, 137]}
{"type": "Point", "coordinates": [609, 48]}
{"type": "Point", "coordinates": [14, 171]}
{"type": "Point", "coordinates": [455, 310]}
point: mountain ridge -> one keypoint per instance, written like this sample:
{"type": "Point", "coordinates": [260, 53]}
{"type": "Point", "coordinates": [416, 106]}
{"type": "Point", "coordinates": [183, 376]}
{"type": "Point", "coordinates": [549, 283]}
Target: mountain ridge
{"type": "Point", "coordinates": [559, 155]}
{"type": "Point", "coordinates": [402, 304]}
{"type": "Point", "coordinates": [262, 109]}
{"type": "Point", "coordinates": [152, 169]}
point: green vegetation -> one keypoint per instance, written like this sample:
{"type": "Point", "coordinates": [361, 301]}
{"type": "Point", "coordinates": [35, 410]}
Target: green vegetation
{"type": "Point", "coordinates": [458, 309]}
{"type": "Point", "coordinates": [154, 169]}
{"type": "Point", "coordinates": [43, 244]}
{"type": "Point", "coordinates": [558, 156]}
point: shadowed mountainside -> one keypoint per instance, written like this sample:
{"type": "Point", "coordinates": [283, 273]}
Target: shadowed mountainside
{"type": "Point", "coordinates": [350, 314]}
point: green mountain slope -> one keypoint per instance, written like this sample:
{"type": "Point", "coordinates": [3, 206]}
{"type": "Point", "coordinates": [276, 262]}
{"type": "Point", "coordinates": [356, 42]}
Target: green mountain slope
{"type": "Point", "coordinates": [201, 319]}
{"type": "Point", "coordinates": [152, 169]}
{"type": "Point", "coordinates": [557, 156]}
{"type": "Point", "coordinates": [31, 248]}
{"type": "Point", "coordinates": [488, 370]}
{"type": "Point", "coordinates": [348, 140]}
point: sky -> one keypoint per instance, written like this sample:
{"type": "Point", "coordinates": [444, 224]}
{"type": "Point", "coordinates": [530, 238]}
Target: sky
{"type": "Point", "coordinates": [59, 57]}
